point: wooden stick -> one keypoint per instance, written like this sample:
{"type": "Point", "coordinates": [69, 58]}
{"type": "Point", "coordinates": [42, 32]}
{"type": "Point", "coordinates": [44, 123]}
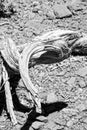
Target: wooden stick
{"type": "Point", "coordinates": [9, 101]}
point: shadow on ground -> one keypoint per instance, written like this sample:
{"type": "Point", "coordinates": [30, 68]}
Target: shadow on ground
{"type": "Point", "coordinates": [2, 101]}
{"type": "Point", "coordinates": [46, 110]}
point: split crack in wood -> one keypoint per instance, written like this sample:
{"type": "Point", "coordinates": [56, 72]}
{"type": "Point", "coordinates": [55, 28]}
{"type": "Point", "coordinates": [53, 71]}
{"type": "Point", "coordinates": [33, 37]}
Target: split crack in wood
{"type": "Point", "coordinates": [18, 58]}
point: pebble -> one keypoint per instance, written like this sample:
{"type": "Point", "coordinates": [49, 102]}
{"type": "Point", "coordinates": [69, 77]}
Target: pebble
{"type": "Point", "coordinates": [37, 125]}
{"type": "Point", "coordinates": [71, 81]}
{"type": "Point", "coordinates": [50, 14]}
{"type": "Point", "coordinates": [50, 125]}
{"type": "Point", "coordinates": [42, 118]}
{"type": "Point", "coordinates": [70, 111]}
{"type": "Point", "coordinates": [76, 6]}
{"type": "Point", "coordinates": [81, 107]}
{"type": "Point", "coordinates": [82, 72]}
{"type": "Point", "coordinates": [61, 11]}
{"type": "Point", "coordinates": [51, 98]}
{"type": "Point", "coordinates": [71, 122]}
{"type": "Point", "coordinates": [82, 83]}
{"type": "Point", "coordinates": [31, 128]}
{"type": "Point", "coordinates": [53, 115]}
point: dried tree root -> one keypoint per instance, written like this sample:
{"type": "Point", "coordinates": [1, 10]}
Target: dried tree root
{"type": "Point", "coordinates": [9, 101]}
{"type": "Point", "coordinates": [44, 43]}
{"type": "Point", "coordinates": [62, 41]}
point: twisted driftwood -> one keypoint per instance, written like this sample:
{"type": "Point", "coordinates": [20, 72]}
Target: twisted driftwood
{"type": "Point", "coordinates": [63, 42]}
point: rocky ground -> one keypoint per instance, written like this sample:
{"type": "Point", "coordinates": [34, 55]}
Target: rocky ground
{"type": "Point", "coordinates": [22, 20]}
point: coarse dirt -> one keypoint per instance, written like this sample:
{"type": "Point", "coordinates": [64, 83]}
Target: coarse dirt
{"type": "Point", "coordinates": [67, 79]}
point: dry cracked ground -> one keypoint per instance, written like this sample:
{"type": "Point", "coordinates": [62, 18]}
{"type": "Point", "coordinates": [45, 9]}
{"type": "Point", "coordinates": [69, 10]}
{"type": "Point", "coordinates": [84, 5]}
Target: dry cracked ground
{"type": "Point", "coordinates": [22, 20]}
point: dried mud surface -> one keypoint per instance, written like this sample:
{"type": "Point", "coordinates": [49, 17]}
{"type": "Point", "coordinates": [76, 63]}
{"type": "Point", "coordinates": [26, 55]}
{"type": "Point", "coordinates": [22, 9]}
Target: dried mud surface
{"type": "Point", "coordinates": [67, 79]}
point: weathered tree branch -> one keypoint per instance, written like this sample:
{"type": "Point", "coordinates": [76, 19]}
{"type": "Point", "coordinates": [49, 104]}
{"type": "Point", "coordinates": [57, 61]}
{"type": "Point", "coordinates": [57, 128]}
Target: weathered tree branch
{"type": "Point", "coordinates": [9, 102]}
{"type": "Point", "coordinates": [64, 42]}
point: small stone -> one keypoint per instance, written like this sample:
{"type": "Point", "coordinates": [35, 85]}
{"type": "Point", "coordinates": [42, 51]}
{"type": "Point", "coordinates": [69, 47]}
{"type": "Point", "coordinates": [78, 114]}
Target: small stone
{"type": "Point", "coordinates": [50, 125]}
{"type": "Point", "coordinates": [82, 83]}
{"type": "Point", "coordinates": [40, 12]}
{"type": "Point", "coordinates": [50, 14]}
{"type": "Point", "coordinates": [71, 81]}
{"type": "Point", "coordinates": [37, 125]}
{"type": "Point", "coordinates": [52, 116]}
{"type": "Point", "coordinates": [70, 123]}
{"type": "Point", "coordinates": [70, 111]}
{"type": "Point", "coordinates": [42, 118]}
{"type": "Point", "coordinates": [82, 72]}
{"type": "Point", "coordinates": [31, 128]}
{"type": "Point", "coordinates": [21, 84]}
{"type": "Point", "coordinates": [61, 11]}
{"type": "Point", "coordinates": [81, 107]}
{"type": "Point", "coordinates": [2, 119]}
{"type": "Point", "coordinates": [51, 98]}
{"type": "Point", "coordinates": [75, 6]}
